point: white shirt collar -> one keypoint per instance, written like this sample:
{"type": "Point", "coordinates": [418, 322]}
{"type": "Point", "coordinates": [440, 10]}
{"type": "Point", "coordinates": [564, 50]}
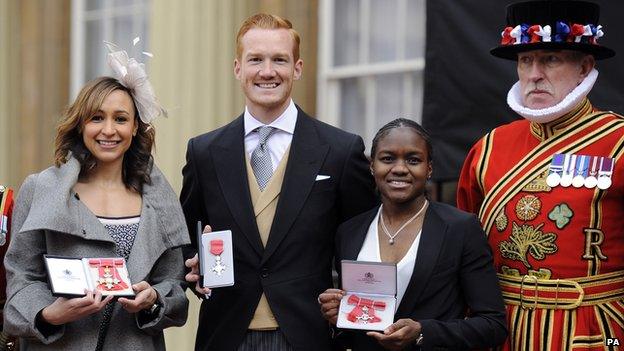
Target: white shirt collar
{"type": "Point", "coordinates": [285, 122]}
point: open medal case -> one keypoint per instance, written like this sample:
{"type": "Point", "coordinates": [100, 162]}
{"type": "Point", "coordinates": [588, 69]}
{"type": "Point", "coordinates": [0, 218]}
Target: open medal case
{"type": "Point", "coordinates": [70, 276]}
{"type": "Point", "coordinates": [370, 299]}
{"type": "Point", "coordinates": [216, 259]}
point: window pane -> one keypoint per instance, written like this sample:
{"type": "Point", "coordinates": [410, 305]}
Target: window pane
{"type": "Point", "coordinates": [119, 3]}
{"type": "Point", "coordinates": [346, 32]}
{"type": "Point", "coordinates": [94, 4]}
{"type": "Point", "coordinates": [389, 98]}
{"type": "Point", "coordinates": [416, 34]}
{"type": "Point", "coordinates": [352, 114]}
{"type": "Point", "coordinates": [95, 55]}
{"type": "Point", "coordinates": [383, 30]}
{"type": "Point", "coordinates": [417, 95]}
{"type": "Point", "coordinates": [122, 32]}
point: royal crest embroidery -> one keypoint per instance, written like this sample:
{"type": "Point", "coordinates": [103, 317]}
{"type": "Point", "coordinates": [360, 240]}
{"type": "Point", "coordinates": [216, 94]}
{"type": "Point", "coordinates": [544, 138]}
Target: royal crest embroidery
{"type": "Point", "coordinates": [528, 207]}
{"type": "Point", "coordinates": [538, 184]}
{"type": "Point", "coordinates": [501, 221]}
{"type": "Point", "coordinates": [527, 240]}
{"type": "Point", "coordinates": [561, 215]}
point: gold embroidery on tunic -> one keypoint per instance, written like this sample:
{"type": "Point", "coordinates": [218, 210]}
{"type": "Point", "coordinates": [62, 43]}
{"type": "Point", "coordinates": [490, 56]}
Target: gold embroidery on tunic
{"type": "Point", "coordinates": [538, 184]}
{"type": "Point", "coordinates": [510, 271]}
{"type": "Point", "coordinates": [528, 207]}
{"type": "Point", "coordinates": [527, 240]}
{"type": "Point", "coordinates": [594, 238]}
{"type": "Point", "coordinates": [501, 220]}
{"type": "Point", "coordinates": [542, 273]}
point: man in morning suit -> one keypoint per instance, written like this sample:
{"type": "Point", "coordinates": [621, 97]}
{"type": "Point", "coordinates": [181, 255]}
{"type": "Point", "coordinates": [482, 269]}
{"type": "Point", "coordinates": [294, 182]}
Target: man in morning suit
{"type": "Point", "coordinates": [282, 182]}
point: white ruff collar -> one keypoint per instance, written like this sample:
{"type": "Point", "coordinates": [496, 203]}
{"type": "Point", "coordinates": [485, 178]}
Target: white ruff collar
{"type": "Point", "coordinates": [549, 114]}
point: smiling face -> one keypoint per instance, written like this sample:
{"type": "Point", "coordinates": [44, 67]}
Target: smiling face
{"type": "Point", "coordinates": [108, 133]}
{"type": "Point", "coordinates": [266, 70]}
{"type": "Point", "coordinates": [401, 165]}
{"type": "Point", "coordinates": [547, 77]}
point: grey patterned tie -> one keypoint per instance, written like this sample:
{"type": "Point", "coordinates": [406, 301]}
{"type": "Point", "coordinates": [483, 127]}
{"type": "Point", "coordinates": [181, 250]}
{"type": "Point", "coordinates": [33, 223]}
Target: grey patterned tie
{"type": "Point", "coordinates": [261, 159]}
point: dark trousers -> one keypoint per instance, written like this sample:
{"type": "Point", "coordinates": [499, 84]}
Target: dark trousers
{"type": "Point", "coordinates": [269, 340]}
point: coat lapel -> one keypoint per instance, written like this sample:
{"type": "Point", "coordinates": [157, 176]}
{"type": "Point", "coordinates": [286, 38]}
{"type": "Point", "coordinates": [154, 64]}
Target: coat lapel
{"type": "Point", "coordinates": [161, 227]}
{"type": "Point", "coordinates": [55, 207]}
{"type": "Point", "coordinates": [148, 246]}
{"type": "Point", "coordinates": [228, 155]}
{"type": "Point", "coordinates": [432, 238]}
{"type": "Point", "coordinates": [349, 249]}
{"type": "Point", "coordinates": [307, 152]}
{"type": "Point", "coordinates": [354, 244]}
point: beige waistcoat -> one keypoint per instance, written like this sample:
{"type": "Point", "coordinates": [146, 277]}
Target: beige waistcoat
{"type": "Point", "coordinates": [264, 205]}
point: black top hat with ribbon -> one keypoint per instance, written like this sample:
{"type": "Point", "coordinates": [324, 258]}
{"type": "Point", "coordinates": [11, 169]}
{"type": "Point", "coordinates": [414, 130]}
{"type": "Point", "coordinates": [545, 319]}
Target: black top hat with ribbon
{"type": "Point", "coordinates": [552, 25]}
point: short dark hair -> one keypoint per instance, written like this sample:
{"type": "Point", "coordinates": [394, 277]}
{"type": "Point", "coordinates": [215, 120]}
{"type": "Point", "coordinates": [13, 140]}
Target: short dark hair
{"type": "Point", "coordinates": [137, 159]}
{"type": "Point", "coordinates": [398, 123]}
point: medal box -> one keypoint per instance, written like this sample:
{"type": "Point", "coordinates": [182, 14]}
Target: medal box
{"type": "Point", "coordinates": [71, 276]}
{"type": "Point", "coordinates": [216, 259]}
{"type": "Point", "coordinates": [370, 299]}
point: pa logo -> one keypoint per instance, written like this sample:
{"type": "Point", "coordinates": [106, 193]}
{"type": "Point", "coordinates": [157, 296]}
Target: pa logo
{"type": "Point", "coordinates": [612, 342]}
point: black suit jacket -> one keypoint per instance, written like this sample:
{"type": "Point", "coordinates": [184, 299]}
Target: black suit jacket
{"type": "Point", "coordinates": [295, 266]}
{"type": "Point", "coordinates": [453, 273]}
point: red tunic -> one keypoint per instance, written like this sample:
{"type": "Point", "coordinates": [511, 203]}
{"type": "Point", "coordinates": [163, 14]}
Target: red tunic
{"type": "Point", "coordinates": [6, 208]}
{"type": "Point", "coordinates": [559, 251]}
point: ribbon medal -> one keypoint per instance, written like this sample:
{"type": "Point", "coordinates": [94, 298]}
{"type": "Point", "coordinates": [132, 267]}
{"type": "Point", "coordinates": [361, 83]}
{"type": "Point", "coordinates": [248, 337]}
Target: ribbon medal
{"type": "Point", "coordinates": [556, 169]}
{"type": "Point", "coordinates": [364, 310]}
{"type": "Point", "coordinates": [580, 170]}
{"type": "Point", "coordinates": [591, 181]}
{"type": "Point", "coordinates": [216, 249]}
{"type": "Point", "coordinates": [109, 278]}
{"type": "Point", "coordinates": [568, 170]}
{"type": "Point", "coordinates": [605, 172]}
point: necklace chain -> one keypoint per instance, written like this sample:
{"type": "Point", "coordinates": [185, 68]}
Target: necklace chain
{"type": "Point", "coordinates": [387, 232]}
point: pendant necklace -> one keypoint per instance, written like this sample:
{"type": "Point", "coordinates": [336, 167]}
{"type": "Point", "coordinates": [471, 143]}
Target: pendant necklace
{"type": "Point", "coordinates": [387, 232]}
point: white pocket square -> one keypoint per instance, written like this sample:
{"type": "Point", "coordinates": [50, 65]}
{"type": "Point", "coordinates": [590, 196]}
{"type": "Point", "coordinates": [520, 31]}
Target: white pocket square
{"type": "Point", "coordinates": [321, 177]}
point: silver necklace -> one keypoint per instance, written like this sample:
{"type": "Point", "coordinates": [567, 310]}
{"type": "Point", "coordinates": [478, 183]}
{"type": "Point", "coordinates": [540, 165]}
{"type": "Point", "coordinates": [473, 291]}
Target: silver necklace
{"type": "Point", "coordinates": [387, 232]}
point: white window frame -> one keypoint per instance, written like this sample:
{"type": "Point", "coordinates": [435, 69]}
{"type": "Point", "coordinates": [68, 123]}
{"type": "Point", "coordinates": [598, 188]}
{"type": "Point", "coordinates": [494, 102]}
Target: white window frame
{"type": "Point", "coordinates": [108, 12]}
{"type": "Point", "coordinates": [330, 76]}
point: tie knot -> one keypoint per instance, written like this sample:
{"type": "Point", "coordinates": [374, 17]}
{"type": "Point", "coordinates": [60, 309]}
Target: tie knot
{"type": "Point", "coordinates": [264, 133]}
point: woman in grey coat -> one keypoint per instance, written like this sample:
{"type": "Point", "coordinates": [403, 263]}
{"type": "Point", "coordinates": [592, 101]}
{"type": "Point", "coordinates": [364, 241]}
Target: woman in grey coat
{"type": "Point", "coordinates": [103, 198]}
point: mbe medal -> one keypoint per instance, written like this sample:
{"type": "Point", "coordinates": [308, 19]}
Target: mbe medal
{"type": "Point", "coordinates": [591, 181]}
{"type": "Point", "coordinates": [217, 259]}
{"type": "Point", "coordinates": [216, 249]}
{"type": "Point", "coordinates": [580, 171]}
{"type": "Point", "coordinates": [604, 175]}
{"type": "Point", "coordinates": [108, 274]}
{"type": "Point", "coordinates": [556, 168]}
{"type": "Point", "coordinates": [568, 170]}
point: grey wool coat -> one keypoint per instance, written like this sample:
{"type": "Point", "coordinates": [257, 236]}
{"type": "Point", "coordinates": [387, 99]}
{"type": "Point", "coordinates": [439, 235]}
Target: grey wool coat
{"type": "Point", "coordinates": [49, 219]}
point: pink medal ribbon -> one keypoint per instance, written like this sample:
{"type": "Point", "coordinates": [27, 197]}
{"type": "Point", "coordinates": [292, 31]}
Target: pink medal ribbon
{"type": "Point", "coordinates": [364, 310]}
{"type": "Point", "coordinates": [216, 249]}
{"type": "Point", "coordinates": [108, 275]}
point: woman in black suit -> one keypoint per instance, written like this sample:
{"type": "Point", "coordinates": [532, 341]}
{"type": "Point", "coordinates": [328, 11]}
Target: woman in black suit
{"type": "Point", "coordinates": [447, 291]}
